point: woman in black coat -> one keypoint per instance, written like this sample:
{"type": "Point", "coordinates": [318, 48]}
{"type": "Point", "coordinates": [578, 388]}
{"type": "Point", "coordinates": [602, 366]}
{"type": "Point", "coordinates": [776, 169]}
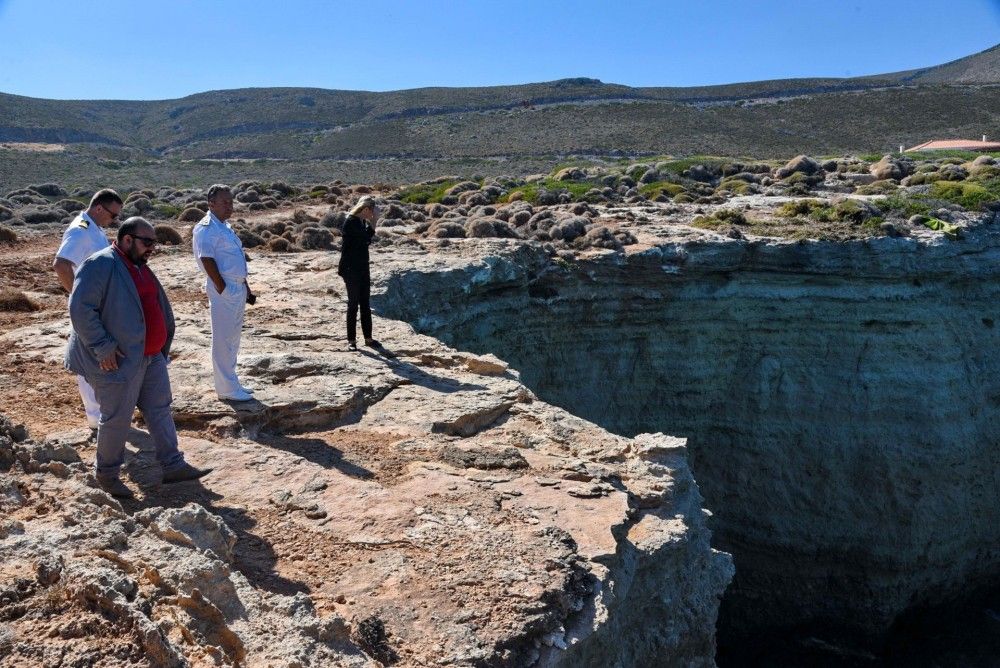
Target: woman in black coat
{"type": "Point", "coordinates": [359, 230]}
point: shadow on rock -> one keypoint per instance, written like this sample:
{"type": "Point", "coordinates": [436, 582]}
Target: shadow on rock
{"type": "Point", "coordinates": [254, 555]}
{"type": "Point", "coordinates": [317, 451]}
{"type": "Point", "coordinates": [418, 376]}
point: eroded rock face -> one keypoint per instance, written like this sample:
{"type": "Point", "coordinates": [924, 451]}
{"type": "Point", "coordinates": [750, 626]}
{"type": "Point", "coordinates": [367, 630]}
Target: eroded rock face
{"type": "Point", "coordinates": [840, 400]}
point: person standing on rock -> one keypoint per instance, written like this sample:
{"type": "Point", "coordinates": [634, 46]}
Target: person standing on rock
{"type": "Point", "coordinates": [219, 253]}
{"type": "Point", "coordinates": [84, 237]}
{"type": "Point", "coordinates": [359, 230]}
{"type": "Point", "coordinates": [122, 330]}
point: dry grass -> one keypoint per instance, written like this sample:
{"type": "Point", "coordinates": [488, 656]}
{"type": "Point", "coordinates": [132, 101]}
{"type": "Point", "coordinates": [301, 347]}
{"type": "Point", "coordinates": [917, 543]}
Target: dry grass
{"type": "Point", "coordinates": [15, 300]}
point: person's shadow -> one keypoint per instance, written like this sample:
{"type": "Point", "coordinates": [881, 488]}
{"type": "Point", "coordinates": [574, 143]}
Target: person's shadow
{"type": "Point", "coordinates": [418, 376]}
{"type": "Point", "coordinates": [254, 555]}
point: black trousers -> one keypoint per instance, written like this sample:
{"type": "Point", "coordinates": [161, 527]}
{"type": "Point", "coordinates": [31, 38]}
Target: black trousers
{"type": "Point", "coordinates": [359, 287]}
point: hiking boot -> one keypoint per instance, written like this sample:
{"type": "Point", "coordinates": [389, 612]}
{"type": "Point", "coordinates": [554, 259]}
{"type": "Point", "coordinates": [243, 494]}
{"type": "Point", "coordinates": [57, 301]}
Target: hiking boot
{"type": "Point", "coordinates": [183, 473]}
{"type": "Point", "coordinates": [115, 487]}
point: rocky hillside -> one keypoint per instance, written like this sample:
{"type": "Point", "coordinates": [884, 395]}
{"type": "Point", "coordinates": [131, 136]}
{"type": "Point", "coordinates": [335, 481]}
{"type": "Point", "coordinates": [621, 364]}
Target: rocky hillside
{"type": "Point", "coordinates": [516, 123]}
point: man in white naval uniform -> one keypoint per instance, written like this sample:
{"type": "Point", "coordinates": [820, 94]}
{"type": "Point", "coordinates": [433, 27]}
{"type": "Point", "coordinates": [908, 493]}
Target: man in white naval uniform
{"type": "Point", "coordinates": [84, 237]}
{"type": "Point", "coordinates": [219, 253]}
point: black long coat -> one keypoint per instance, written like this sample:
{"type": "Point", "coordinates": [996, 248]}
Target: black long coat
{"type": "Point", "coordinates": [354, 252]}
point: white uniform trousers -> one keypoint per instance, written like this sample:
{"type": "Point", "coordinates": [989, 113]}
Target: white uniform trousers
{"type": "Point", "coordinates": [226, 311]}
{"type": "Point", "coordinates": [90, 405]}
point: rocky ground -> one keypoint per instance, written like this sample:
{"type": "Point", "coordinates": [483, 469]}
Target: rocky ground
{"type": "Point", "coordinates": [412, 505]}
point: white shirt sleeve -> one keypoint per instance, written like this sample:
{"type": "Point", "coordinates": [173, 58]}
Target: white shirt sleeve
{"type": "Point", "coordinates": [204, 241]}
{"type": "Point", "coordinates": [76, 245]}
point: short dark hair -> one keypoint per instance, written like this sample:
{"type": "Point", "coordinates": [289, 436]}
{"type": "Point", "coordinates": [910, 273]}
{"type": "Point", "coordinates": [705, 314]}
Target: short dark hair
{"type": "Point", "coordinates": [130, 226]}
{"type": "Point", "coordinates": [105, 197]}
{"type": "Point", "coordinates": [214, 190]}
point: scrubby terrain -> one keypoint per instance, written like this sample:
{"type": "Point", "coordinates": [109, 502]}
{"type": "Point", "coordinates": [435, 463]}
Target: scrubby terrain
{"type": "Point", "coordinates": [299, 134]}
{"type": "Point", "coordinates": [422, 504]}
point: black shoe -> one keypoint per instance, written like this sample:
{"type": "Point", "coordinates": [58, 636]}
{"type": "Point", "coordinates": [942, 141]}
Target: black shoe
{"type": "Point", "coordinates": [352, 345]}
{"type": "Point", "coordinates": [183, 473]}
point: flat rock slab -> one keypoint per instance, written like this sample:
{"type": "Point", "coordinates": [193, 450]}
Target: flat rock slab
{"type": "Point", "coordinates": [392, 502]}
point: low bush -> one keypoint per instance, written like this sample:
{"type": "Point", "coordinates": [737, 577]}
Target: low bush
{"type": "Point", "coordinates": [166, 211]}
{"type": "Point", "coordinates": [902, 206]}
{"type": "Point", "coordinates": [800, 207]}
{"type": "Point", "coordinates": [280, 245]}
{"type": "Point", "coordinates": [972, 196]}
{"type": "Point", "coordinates": [720, 218]}
{"type": "Point", "coordinates": [7, 235]}
{"type": "Point", "coordinates": [167, 235]}
{"type": "Point", "coordinates": [191, 215]}
{"type": "Point", "coordinates": [49, 190]}
{"type": "Point", "coordinates": [15, 300]}
{"type": "Point", "coordinates": [426, 193]}
{"type": "Point", "coordinates": [549, 190]}
{"type": "Point", "coordinates": [70, 205]}
{"type": "Point", "coordinates": [249, 238]}
{"type": "Point", "coordinates": [885, 187]}
{"type": "Point", "coordinates": [42, 215]}
{"type": "Point", "coordinates": [657, 188]}
{"type": "Point", "coordinates": [316, 238]}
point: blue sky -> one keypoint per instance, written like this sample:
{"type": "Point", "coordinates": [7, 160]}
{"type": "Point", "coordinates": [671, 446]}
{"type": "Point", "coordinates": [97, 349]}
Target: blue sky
{"type": "Point", "coordinates": [139, 49]}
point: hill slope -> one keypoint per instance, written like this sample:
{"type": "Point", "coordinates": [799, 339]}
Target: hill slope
{"type": "Point", "coordinates": [524, 122]}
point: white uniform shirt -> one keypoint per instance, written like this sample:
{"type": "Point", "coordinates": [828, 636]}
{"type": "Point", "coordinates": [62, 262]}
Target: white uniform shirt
{"type": "Point", "coordinates": [215, 239]}
{"type": "Point", "coordinates": [80, 240]}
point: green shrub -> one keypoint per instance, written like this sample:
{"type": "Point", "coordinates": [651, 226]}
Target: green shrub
{"type": "Point", "coordinates": [800, 207]}
{"type": "Point", "coordinates": [166, 211]}
{"type": "Point", "coordinates": [736, 186]}
{"type": "Point", "coordinates": [851, 210]}
{"type": "Point", "coordinates": [902, 205]}
{"type": "Point", "coordinates": [971, 195]}
{"type": "Point", "coordinates": [657, 188]}
{"type": "Point", "coordinates": [885, 187]}
{"type": "Point", "coordinates": [426, 193]}
{"type": "Point", "coordinates": [7, 235]}
{"type": "Point", "coordinates": [530, 191]}
{"type": "Point", "coordinates": [720, 218]}
{"type": "Point", "coordinates": [873, 225]}
{"type": "Point", "coordinates": [678, 166]}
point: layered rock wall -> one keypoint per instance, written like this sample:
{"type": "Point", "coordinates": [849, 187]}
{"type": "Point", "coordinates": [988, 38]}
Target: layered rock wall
{"type": "Point", "coordinates": [840, 400]}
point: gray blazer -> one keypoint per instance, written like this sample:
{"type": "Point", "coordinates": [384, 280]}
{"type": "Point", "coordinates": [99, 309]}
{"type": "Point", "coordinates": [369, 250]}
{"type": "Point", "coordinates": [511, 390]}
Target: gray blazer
{"type": "Point", "coordinates": [106, 313]}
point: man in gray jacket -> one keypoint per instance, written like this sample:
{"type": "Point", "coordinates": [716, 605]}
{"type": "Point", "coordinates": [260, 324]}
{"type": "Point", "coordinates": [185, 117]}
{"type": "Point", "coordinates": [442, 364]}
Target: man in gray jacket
{"type": "Point", "coordinates": [122, 330]}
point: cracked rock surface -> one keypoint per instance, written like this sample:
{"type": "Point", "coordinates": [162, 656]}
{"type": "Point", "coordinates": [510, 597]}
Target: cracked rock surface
{"type": "Point", "coordinates": [414, 505]}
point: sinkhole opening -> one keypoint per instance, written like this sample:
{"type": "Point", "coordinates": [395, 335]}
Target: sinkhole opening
{"type": "Point", "coordinates": [833, 445]}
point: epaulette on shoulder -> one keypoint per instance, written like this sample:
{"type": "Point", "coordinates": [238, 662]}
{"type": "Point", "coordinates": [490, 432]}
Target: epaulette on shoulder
{"type": "Point", "coordinates": [84, 223]}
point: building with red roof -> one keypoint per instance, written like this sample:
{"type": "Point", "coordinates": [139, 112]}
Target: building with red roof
{"type": "Point", "coordinates": [956, 145]}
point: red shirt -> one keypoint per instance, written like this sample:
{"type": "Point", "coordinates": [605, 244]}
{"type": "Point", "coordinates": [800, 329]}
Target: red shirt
{"type": "Point", "coordinates": [149, 295]}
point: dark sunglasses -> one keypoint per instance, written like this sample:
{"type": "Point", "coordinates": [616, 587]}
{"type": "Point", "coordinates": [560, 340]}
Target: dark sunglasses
{"type": "Point", "coordinates": [113, 214]}
{"type": "Point", "coordinates": [148, 241]}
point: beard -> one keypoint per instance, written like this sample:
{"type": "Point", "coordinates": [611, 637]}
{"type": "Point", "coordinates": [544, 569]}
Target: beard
{"type": "Point", "coordinates": [137, 257]}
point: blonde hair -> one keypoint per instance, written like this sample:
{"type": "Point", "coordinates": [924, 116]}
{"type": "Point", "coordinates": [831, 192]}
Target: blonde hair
{"type": "Point", "coordinates": [365, 202]}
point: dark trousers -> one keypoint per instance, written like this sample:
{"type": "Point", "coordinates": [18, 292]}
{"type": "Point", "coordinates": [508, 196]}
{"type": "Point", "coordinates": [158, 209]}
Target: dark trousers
{"type": "Point", "coordinates": [359, 288]}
